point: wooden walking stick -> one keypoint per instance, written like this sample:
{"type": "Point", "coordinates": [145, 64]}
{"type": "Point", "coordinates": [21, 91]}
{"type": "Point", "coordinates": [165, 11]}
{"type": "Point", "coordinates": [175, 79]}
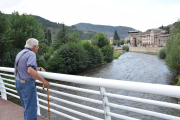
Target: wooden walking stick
{"type": "Point", "coordinates": [48, 100]}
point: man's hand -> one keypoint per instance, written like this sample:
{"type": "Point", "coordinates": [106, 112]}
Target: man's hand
{"type": "Point", "coordinates": [42, 69]}
{"type": "Point", "coordinates": [46, 84]}
{"type": "Point", "coordinates": [35, 75]}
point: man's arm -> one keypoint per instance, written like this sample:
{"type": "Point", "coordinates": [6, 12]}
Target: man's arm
{"type": "Point", "coordinates": [35, 75]}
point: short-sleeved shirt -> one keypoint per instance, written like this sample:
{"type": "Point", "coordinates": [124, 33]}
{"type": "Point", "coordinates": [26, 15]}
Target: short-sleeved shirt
{"type": "Point", "coordinates": [27, 60]}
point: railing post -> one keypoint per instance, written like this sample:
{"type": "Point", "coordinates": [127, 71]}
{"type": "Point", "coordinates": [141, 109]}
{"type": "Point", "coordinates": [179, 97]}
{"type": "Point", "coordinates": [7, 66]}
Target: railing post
{"type": "Point", "coordinates": [104, 100]}
{"type": "Point", "coordinates": [38, 108]}
{"type": "Point", "coordinates": [2, 86]}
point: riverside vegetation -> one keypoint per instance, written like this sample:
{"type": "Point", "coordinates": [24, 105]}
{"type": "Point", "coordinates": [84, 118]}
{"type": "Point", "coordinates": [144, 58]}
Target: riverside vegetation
{"type": "Point", "coordinates": [67, 54]}
{"type": "Point", "coordinates": [171, 52]}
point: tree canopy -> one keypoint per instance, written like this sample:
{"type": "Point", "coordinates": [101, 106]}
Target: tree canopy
{"type": "Point", "coordinates": [4, 34]}
{"type": "Point", "coordinates": [173, 49]}
{"type": "Point", "coordinates": [100, 39]}
{"type": "Point", "coordinates": [61, 38]}
{"type": "Point", "coordinates": [24, 27]}
{"type": "Point", "coordinates": [116, 36]}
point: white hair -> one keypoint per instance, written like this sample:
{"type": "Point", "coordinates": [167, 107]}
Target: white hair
{"type": "Point", "coordinates": [31, 42]}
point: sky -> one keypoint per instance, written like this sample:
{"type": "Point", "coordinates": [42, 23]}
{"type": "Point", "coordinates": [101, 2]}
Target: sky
{"type": "Point", "coordinates": [138, 14]}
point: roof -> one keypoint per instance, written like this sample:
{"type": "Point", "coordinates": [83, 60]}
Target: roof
{"type": "Point", "coordinates": [154, 29]}
{"type": "Point", "coordinates": [133, 32]}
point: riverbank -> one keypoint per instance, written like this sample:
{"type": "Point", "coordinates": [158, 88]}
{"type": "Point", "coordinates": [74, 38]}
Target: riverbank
{"type": "Point", "coordinates": [144, 50]}
{"type": "Point", "coordinates": [116, 54]}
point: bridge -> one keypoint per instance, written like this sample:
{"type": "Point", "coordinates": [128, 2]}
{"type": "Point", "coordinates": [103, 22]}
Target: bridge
{"type": "Point", "coordinates": [104, 85]}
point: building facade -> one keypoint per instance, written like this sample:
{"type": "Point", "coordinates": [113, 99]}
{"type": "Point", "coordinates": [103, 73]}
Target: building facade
{"type": "Point", "coordinates": [150, 37]}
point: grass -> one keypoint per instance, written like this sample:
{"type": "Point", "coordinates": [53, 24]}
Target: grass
{"type": "Point", "coordinates": [116, 54]}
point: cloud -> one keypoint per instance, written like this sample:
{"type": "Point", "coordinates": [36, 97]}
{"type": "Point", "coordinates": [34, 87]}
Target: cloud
{"type": "Point", "coordinates": [140, 1]}
{"type": "Point", "coordinates": [9, 3]}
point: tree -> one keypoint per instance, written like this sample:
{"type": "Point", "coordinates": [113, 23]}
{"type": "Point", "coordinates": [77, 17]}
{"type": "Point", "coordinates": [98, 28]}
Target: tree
{"type": "Point", "coordinates": [114, 42]}
{"type": "Point", "coordinates": [74, 37]}
{"type": "Point", "coordinates": [23, 27]}
{"type": "Point", "coordinates": [94, 54]}
{"type": "Point", "coordinates": [128, 41]}
{"type": "Point", "coordinates": [61, 38]}
{"type": "Point", "coordinates": [173, 49]}
{"type": "Point", "coordinates": [116, 36]}
{"type": "Point", "coordinates": [9, 56]}
{"type": "Point", "coordinates": [49, 37]}
{"type": "Point", "coordinates": [122, 42]}
{"type": "Point", "coordinates": [70, 58]}
{"type": "Point", "coordinates": [4, 35]}
{"type": "Point", "coordinates": [161, 27]}
{"type": "Point", "coordinates": [100, 39]}
{"type": "Point", "coordinates": [107, 51]}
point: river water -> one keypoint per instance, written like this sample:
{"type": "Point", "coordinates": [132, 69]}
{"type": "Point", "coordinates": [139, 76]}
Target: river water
{"type": "Point", "coordinates": [129, 66]}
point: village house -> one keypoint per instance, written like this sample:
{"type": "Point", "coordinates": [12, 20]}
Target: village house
{"type": "Point", "coordinates": [150, 37]}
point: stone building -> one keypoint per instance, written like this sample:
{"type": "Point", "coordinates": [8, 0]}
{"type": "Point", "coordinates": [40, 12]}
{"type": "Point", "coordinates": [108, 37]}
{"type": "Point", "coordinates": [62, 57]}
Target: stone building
{"type": "Point", "coordinates": [150, 37]}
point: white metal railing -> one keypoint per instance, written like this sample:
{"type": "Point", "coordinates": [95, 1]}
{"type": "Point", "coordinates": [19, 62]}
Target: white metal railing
{"type": "Point", "coordinates": [157, 89]}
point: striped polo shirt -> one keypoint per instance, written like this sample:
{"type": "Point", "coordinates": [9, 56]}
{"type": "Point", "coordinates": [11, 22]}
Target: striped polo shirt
{"type": "Point", "coordinates": [27, 60]}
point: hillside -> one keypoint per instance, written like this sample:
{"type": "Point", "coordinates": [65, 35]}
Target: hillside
{"type": "Point", "coordinates": [108, 30]}
{"type": "Point", "coordinates": [54, 27]}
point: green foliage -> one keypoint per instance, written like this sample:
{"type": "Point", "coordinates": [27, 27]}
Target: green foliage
{"type": "Point", "coordinates": [94, 54]}
{"type": "Point", "coordinates": [41, 62]}
{"type": "Point", "coordinates": [162, 53]}
{"type": "Point", "coordinates": [122, 42]}
{"type": "Point", "coordinates": [74, 37]}
{"type": "Point", "coordinates": [100, 40]}
{"type": "Point", "coordinates": [70, 58]}
{"type": "Point", "coordinates": [9, 56]}
{"type": "Point", "coordinates": [107, 51]}
{"type": "Point", "coordinates": [173, 49]}
{"type": "Point", "coordinates": [167, 28]}
{"type": "Point", "coordinates": [47, 23]}
{"type": "Point", "coordinates": [114, 42]}
{"type": "Point", "coordinates": [4, 37]}
{"type": "Point", "coordinates": [49, 37]}
{"type": "Point", "coordinates": [116, 54]}
{"type": "Point", "coordinates": [43, 48]}
{"type": "Point", "coordinates": [116, 36]}
{"type": "Point", "coordinates": [23, 27]}
{"type": "Point", "coordinates": [48, 54]}
{"type": "Point", "coordinates": [128, 41]}
{"type": "Point", "coordinates": [125, 47]}
{"type": "Point", "coordinates": [118, 43]}
{"type": "Point", "coordinates": [61, 38]}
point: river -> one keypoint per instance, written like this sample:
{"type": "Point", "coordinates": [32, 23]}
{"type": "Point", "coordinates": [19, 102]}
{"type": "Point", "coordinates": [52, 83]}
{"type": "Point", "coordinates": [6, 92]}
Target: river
{"type": "Point", "coordinates": [130, 66]}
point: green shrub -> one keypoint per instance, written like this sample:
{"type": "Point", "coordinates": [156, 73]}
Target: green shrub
{"type": "Point", "coordinates": [100, 40]}
{"type": "Point", "coordinates": [125, 47]}
{"type": "Point", "coordinates": [116, 54]}
{"type": "Point", "coordinates": [69, 58]}
{"type": "Point", "coordinates": [9, 56]}
{"type": "Point", "coordinates": [107, 53]}
{"type": "Point", "coordinates": [41, 63]}
{"type": "Point", "coordinates": [94, 54]}
{"type": "Point", "coordinates": [173, 53]}
{"type": "Point", "coordinates": [162, 53]}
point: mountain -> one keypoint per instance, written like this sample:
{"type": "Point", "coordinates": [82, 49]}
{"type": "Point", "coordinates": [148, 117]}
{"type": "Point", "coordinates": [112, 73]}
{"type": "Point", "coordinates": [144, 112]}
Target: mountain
{"type": "Point", "coordinates": [54, 27]}
{"type": "Point", "coordinates": [107, 30]}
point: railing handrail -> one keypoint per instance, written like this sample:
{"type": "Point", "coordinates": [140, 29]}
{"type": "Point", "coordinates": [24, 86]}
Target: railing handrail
{"type": "Point", "coordinates": [149, 88]}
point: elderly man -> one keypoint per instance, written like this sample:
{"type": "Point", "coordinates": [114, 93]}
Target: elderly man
{"type": "Point", "coordinates": [26, 75]}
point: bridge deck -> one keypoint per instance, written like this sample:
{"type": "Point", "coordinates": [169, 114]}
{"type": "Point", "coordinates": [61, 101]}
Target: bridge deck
{"type": "Point", "coordinates": [11, 111]}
